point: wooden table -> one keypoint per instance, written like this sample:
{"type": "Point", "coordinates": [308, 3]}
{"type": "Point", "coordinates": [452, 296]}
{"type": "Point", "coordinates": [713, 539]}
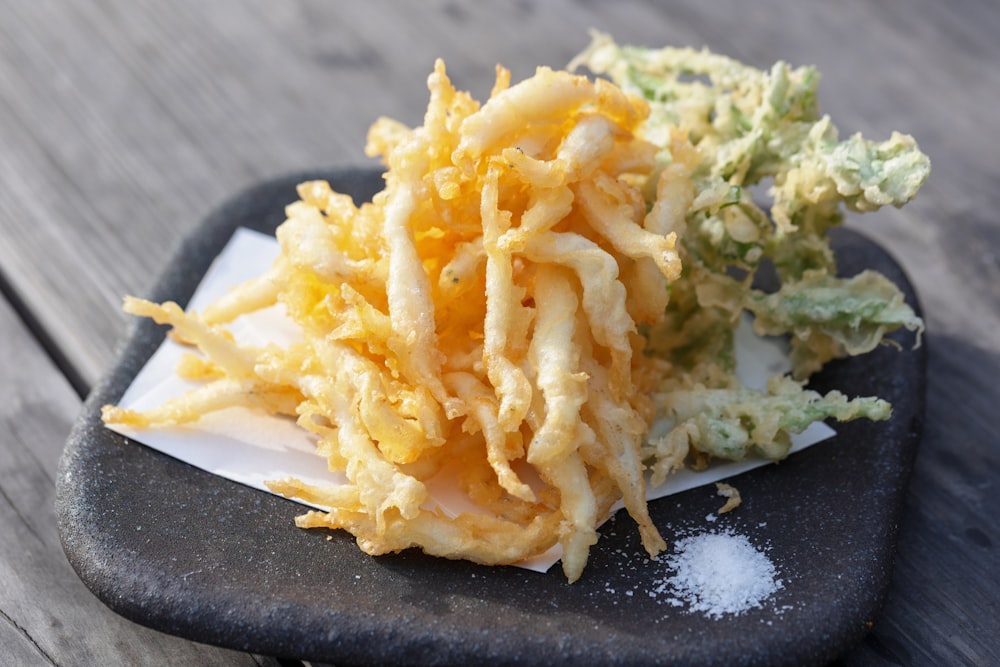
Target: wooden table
{"type": "Point", "coordinates": [123, 123]}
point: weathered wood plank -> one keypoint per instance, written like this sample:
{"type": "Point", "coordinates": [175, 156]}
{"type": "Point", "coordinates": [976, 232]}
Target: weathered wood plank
{"type": "Point", "coordinates": [47, 616]}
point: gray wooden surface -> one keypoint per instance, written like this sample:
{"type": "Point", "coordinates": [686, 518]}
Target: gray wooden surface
{"type": "Point", "coordinates": [123, 123]}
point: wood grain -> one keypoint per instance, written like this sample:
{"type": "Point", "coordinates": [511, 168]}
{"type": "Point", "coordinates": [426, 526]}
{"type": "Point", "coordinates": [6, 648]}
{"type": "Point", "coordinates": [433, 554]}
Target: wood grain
{"type": "Point", "coordinates": [122, 124]}
{"type": "Point", "coordinates": [47, 616]}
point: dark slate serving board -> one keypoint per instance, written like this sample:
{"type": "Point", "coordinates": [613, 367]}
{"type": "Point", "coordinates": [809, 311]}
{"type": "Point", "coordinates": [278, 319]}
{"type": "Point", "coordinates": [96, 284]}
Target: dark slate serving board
{"type": "Point", "coordinates": [180, 550]}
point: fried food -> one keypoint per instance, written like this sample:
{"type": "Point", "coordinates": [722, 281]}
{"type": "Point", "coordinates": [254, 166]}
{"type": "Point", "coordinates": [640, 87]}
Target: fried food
{"type": "Point", "coordinates": [475, 313]}
{"type": "Point", "coordinates": [513, 311]}
{"type": "Point", "coordinates": [731, 494]}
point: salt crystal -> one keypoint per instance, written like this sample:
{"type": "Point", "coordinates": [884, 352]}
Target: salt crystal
{"type": "Point", "coordinates": [718, 573]}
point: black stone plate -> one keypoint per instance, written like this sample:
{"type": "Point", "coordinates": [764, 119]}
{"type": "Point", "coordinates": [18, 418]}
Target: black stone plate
{"type": "Point", "coordinates": [180, 550]}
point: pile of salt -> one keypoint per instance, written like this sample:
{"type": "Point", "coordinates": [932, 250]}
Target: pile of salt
{"type": "Point", "coordinates": [718, 573]}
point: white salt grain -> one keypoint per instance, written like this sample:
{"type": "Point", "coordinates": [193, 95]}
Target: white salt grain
{"type": "Point", "coordinates": [719, 573]}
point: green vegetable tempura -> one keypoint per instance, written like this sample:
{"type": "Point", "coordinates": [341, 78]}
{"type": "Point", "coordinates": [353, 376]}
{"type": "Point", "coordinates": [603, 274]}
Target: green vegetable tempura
{"type": "Point", "coordinates": [741, 132]}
